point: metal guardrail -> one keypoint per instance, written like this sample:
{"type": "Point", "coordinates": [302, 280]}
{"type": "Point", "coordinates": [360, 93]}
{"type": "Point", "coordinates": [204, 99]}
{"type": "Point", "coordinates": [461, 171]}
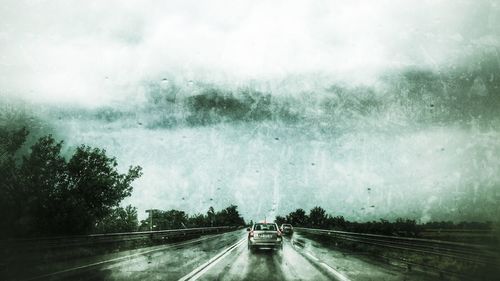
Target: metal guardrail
{"type": "Point", "coordinates": [457, 230]}
{"type": "Point", "coordinates": [478, 254]}
{"type": "Point", "coordinates": [95, 239]}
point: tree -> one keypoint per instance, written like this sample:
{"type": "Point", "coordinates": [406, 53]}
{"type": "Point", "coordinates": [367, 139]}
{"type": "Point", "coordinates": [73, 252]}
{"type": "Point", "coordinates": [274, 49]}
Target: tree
{"type": "Point", "coordinates": [317, 217]}
{"type": "Point", "coordinates": [119, 220]}
{"type": "Point", "coordinates": [337, 222]}
{"type": "Point", "coordinates": [10, 193]}
{"type": "Point", "coordinates": [172, 219]}
{"type": "Point", "coordinates": [95, 185]}
{"type": "Point", "coordinates": [53, 196]}
{"type": "Point", "coordinates": [280, 220]}
{"type": "Point", "coordinates": [198, 220]}
{"type": "Point", "coordinates": [11, 141]}
{"type": "Point", "coordinates": [297, 218]}
{"type": "Point", "coordinates": [42, 181]}
{"type": "Point", "coordinates": [229, 217]}
{"type": "Point", "coordinates": [406, 227]}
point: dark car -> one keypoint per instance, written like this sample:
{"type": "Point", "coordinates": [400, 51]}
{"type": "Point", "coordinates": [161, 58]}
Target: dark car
{"type": "Point", "coordinates": [287, 229]}
{"type": "Point", "coordinates": [265, 235]}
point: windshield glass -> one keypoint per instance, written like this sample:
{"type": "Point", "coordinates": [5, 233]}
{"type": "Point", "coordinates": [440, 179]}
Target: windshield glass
{"type": "Point", "coordinates": [268, 226]}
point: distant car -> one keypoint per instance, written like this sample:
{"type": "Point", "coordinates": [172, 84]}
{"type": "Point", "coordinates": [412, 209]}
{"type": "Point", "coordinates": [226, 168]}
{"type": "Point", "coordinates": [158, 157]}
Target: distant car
{"type": "Point", "coordinates": [264, 235]}
{"type": "Point", "coordinates": [287, 229]}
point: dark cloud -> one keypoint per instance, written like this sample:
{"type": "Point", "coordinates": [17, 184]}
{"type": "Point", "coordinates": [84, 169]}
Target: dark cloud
{"type": "Point", "coordinates": [325, 100]}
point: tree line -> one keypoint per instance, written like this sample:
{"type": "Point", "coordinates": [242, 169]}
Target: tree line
{"type": "Point", "coordinates": [175, 219]}
{"type": "Point", "coordinates": [318, 218]}
{"type": "Point", "coordinates": [46, 193]}
{"type": "Point", "coordinates": [125, 219]}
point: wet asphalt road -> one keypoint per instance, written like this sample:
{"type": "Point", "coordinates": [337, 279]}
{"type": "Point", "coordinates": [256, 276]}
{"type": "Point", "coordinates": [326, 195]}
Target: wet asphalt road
{"type": "Point", "coordinates": [304, 261]}
{"type": "Point", "coordinates": [264, 264]}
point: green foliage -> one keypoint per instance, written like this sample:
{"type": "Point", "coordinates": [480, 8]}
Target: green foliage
{"type": "Point", "coordinates": [229, 217]}
{"type": "Point", "coordinates": [280, 220]}
{"type": "Point", "coordinates": [175, 219]}
{"type": "Point", "coordinates": [119, 220]}
{"type": "Point", "coordinates": [297, 217]}
{"type": "Point", "coordinates": [11, 141]}
{"type": "Point", "coordinates": [317, 217]}
{"type": "Point", "coordinates": [45, 194]}
{"type": "Point", "coordinates": [337, 222]}
{"type": "Point", "coordinates": [94, 178]}
{"type": "Point", "coordinates": [172, 219]}
{"type": "Point", "coordinates": [198, 220]}
{"type": "Point", "coordinates": [42, 183]}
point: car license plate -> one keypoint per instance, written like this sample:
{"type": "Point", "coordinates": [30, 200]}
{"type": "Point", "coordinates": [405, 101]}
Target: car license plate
{"type": "Point", "coordinates": [267, 236]}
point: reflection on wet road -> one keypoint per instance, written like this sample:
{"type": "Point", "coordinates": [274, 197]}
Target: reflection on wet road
{"type": "Point", "coordinates": [264, 264]}
{"type": "Point", "coordinates": [226, 257]}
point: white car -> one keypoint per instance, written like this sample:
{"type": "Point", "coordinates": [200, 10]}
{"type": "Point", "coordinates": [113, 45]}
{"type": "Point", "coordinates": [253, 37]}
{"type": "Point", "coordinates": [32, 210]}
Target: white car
{"type": "Point", "coordinates": [265, 235]}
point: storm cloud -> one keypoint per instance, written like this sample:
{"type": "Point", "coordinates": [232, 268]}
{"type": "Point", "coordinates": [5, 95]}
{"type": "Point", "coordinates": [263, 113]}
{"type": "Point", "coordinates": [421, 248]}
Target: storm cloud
{"type": "Point", "coordinates": [369, 109]}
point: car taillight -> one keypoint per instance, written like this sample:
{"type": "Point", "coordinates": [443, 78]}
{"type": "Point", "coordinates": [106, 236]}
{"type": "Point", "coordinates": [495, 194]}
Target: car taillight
{"type": "Point", "coordinates": [250, 234]}
{"type": "Point", "coordinates": [279, 233]}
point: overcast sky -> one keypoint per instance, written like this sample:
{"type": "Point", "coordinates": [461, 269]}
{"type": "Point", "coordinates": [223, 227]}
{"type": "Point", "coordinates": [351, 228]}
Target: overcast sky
{"type": "Point", "coordinates": [379, 108]}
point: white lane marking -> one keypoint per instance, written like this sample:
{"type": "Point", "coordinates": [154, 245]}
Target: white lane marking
{"type": "Point", "coordinates": [119, 259]}
{"type": "Point", "coordinates": [312, 257]}
{"type": "Point", "coordinates": [202, 269]}
{"type": "Point", "coordinates": [335, 272]}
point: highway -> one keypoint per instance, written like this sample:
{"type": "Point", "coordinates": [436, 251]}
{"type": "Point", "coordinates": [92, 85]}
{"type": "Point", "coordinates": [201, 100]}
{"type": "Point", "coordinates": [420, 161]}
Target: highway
{"type": "Point", "coordinates": [226, 257]}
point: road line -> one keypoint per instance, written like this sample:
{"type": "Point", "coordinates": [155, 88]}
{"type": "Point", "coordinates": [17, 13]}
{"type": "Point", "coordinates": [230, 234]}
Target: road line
{"type": "Point", "coordinates": [312, 257]}
{"type": "Point", "coordinates": [335, 272]}
{"type": "Point", "coordinates": [200, 270]}
{"type": "Point", "coordinates": [117, 259]}
{"type": "Point", "coordinates": [332, 270]}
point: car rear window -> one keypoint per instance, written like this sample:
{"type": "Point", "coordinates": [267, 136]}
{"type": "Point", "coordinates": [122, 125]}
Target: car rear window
{"type": "Point", "coordinates": [267, 226]}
